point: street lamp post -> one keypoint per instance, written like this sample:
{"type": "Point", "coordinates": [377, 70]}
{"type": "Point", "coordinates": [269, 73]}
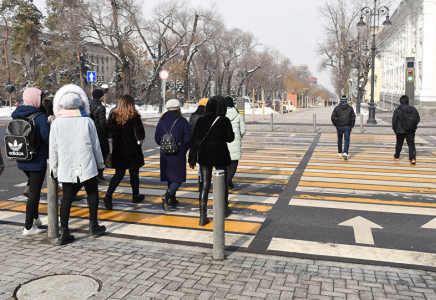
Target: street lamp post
{"type": "Point", "coordinates": [359, 44]}
{"type": "Point", "coordinates": [374, 20]}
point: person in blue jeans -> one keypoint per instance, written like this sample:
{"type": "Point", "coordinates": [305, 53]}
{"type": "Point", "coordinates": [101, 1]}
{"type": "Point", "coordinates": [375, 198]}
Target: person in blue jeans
{"type": "Point", "coordinates": [343, 118]}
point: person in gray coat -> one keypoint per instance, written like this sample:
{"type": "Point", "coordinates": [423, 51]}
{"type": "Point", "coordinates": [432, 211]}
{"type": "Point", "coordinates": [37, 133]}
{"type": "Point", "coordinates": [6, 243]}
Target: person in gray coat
{"type": "Point", "coordinates": [235, 147]}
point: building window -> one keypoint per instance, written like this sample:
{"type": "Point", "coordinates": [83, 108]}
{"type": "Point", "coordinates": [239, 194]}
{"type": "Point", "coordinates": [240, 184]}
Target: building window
{"type": "Point", "coordinates": [96, 58]}
{"type": "Point", "coordinates": [107, 60]}
{"type": "Point", "coordinates": [97, 69]}
{"type": "Point", "coordinates": [92, 59]}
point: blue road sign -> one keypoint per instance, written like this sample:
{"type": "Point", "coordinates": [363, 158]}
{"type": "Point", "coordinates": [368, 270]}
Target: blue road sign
{"type": "Point", "coordinates": [91, 76]}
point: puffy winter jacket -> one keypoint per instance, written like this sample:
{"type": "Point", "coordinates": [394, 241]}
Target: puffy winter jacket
{"type": "Point", "coordinates": [343, 115]}
{"type": "Point", "coordinates": [397, 118]}
{"type": "Point", "coordinates": [238, 126]}
{"type": "Point", "coordinates": [98, 114]}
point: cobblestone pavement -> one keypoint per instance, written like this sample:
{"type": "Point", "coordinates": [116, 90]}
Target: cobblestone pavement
{"type": "Point", "coordinates": [135, 269]}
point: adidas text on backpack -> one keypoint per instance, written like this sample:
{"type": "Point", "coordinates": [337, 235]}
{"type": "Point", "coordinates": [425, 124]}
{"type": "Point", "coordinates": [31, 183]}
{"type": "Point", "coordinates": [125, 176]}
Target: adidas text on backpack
{"type": "Point", "coordinates": [410, 120]}
{"type": "Point", "coordinates": [20, 138]}
{"type": "Point", "coordinates": [168, 144]}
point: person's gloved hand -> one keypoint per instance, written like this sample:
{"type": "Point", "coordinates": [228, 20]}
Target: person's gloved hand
{"type": "Point", "coordinates": [100, 172]}
{"type": "Point", "coordinates": [52, 177]}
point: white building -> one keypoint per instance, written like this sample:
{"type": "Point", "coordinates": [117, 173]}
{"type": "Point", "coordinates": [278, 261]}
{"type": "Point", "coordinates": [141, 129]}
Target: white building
{"type": "Point", "coordinates": [412, 34]}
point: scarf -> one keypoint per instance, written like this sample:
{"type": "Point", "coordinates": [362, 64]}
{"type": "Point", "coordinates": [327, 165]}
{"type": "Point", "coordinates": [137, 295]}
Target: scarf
{"type": "Point", "coordinates": [71, 113]}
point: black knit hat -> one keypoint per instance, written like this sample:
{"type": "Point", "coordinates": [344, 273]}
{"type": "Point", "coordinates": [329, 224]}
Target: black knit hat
{"type": "Point", "coordinates": [229, 102]}
{"type": "Point", "coordinates": [344, 98]}
{"type": "Point", "coordinates": [97, 94]}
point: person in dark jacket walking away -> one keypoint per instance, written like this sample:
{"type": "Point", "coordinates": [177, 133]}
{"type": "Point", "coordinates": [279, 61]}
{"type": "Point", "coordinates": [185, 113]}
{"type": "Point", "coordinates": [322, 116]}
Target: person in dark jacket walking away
{"type": "Point", "coordinates": [127, 132]}
{"type": "Point", "coordinates": [193, 120]}
{"type": "Point", "coordinates": [398, 125]}
{"type": "Point", "coordinates": [34, 169]}
{"type": "Point", "coordinates": [343, 118]}
{"type": "Point", "coordinates": [211, 135]}
{"type": "Point", "coordinates": [98, 115]}
{"type": "Point", "coordinates": [173, 166]}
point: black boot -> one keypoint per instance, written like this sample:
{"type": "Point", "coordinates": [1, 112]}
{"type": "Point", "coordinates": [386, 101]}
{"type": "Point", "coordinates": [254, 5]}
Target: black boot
{"type": "Point", "coordinates": [227, 212]}
{"type": "Point", "coordinates": [173, 201]}
{"type": "Point", "coordinates": [108, 201]}
{"type": "Point", "coordinates": [138, 198]}
{"type": "Point", "coordinates": [95, 229]}
{"type": "Point", "coordinates": [65, 237]}
{"type": "Point", "coordinates": [203, 217]}
{"type": "Point", "coordinates": [165, 197]}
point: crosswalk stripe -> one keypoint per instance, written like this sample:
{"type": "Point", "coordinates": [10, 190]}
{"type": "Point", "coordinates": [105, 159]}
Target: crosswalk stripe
{"type": "Point", "coordinates": [381, 178]}
{"type": "Point", "coordinates": [346, 180]}
{"type": "Point", "coordinates": [353, 252]}
{"type": "Point", "coordinates": [402, 165]}
{"type": "Point", "coordinates": [371, 168]}
{"type": "Point", "coordinates": [357, 171]}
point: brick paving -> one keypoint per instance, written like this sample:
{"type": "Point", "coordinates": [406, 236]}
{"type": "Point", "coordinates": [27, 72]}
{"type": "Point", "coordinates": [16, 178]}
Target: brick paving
{"type": "Point", "coordinates": [136, 269]}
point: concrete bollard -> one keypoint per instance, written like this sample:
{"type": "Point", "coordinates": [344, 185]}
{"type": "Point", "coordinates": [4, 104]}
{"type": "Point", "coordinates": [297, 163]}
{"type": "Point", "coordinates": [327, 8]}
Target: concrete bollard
{"type": "Point", "coordinates": [272, 121]}
{"type": "Point", "coordinates": [361, 123]}
{"type": "Point", "coordinates": [52, 205]}
{"type": "Point", "coordinates": [314, 122]}
{"type": "Point", "coordinates": [219, 208]}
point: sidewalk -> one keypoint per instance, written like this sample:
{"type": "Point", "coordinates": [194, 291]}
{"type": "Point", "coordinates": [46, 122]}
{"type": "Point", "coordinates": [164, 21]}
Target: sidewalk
{"type": "Point", "coordinates": [135, 269]}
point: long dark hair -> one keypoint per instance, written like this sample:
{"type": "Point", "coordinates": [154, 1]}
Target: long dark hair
{"type": "Point", "coordinates": [177, 113]}
{"type": "Point", "coordinates": [47, 107]}
{"type": "Point", "coordinates": [216, 105]}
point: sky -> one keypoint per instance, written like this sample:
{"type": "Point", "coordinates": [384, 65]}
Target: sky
{"type": "Point", "coordinates": [291, 26]}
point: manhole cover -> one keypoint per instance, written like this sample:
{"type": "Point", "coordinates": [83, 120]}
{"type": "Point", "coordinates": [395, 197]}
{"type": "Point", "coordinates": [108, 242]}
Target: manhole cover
{"type": "Point", "coordinates": [58, 287]}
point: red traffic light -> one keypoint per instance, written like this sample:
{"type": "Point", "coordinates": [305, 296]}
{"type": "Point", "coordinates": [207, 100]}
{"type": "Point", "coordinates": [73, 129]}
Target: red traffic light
{"type": "Point", "coordinates": [410, 72]}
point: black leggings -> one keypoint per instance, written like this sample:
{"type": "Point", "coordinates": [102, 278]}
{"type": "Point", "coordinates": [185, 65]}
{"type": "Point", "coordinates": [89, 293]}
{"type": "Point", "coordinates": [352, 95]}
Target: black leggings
{"type": "Point", "coordinates": [232, 169]}
{"type": "Point", "coordinates": [36, 179]}
{"type": "Point", "coordinates": [70, 190]}
{"type": "Point", "coordinates": [119, 175]}
{"type": "Point", "coordinates": [206, 176]}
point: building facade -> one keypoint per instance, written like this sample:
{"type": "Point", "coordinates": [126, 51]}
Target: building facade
{"type": "Point", "coordinates": [411, 35]}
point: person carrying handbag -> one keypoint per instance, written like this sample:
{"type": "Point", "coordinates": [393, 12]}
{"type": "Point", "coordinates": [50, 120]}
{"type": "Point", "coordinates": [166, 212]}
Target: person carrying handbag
{"type": "Point", "coordinates": [209, 149]}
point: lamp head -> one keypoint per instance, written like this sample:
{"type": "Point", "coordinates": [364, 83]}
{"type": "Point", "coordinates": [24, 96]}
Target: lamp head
{"type": "Point", "coordinates": [387, 22]}
{"type": "Point", "coordinates": [361, 22]}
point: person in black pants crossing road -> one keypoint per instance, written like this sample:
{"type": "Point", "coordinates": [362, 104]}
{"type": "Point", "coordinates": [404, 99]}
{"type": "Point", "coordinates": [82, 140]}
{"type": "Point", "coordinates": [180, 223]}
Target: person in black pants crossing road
{"type": "Point", "coordinates": [343, 117]}
{"type": "Point", "coordinates": [404, 123]}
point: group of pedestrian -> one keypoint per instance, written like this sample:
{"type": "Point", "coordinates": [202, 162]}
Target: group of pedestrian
{"type": "Point", "coordinates": [405, 121]}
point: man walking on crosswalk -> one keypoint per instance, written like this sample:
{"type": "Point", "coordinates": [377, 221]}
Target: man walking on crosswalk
{"type": "Point", "coordinates": [343, 117]}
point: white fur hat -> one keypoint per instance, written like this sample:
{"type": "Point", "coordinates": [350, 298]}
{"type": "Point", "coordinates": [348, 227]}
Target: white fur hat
{"type": "Point", "coordinates": [67, 90]}
{"type": "Point", "coordinates": [172, 104]}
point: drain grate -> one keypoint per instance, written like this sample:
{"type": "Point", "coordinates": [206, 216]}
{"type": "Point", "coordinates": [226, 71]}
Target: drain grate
{"type": "Point", "coordinates": [423, 153]}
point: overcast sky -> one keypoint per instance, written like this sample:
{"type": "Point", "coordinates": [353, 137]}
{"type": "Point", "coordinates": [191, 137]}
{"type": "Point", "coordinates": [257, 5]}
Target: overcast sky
{"type": "Point", "coordinates": [291, 26]}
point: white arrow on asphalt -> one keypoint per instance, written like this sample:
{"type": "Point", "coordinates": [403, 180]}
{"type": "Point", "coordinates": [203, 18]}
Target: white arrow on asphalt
{"type": "Point", "coordinates": [362, 229]}
{"type": "Point", "coordinates": [430, 225]}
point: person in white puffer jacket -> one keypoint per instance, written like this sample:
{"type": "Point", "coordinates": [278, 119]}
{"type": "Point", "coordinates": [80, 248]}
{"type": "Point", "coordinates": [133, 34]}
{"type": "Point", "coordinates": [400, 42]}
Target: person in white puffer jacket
{"type": "Point", "coordinates": [235, 147]}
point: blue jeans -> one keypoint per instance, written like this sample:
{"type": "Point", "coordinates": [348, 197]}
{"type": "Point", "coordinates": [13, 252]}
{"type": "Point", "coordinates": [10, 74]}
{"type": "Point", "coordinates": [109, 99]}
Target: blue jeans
{"type": "Point", "coordinates": [173, 187]}
{"type": "Point", "coordinates": [343, 131]}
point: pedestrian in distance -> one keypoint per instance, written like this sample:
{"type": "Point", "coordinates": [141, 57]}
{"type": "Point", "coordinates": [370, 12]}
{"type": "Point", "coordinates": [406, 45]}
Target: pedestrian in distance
{"type": "Point", "coordinates": [34, 169]}
{"type": "Point", "coordinates": [235, 147]}
{"type": "Point", "coordinates": [193, 120]}
{"type": "Point", "coordinates": [126, 133]}
{"type": "Point", "coordinates": [343, 118]}
{"type": "Point", "coordinates": [404, 123]}
{"type": "Point", "coordinates": [75, 156]}
{"type": "Point", "coordinates": [98, 115]}
{"type": "Point", "coordinates": [209, 149]}
{"type": "Point", "coordinates": [173, 134]}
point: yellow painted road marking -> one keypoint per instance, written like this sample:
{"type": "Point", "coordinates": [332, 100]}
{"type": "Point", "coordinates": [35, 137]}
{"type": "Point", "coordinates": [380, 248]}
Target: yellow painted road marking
{"type": "Point", "coordinates": [361, 157]}
{"type": "Point", "coordinates": [366, 200]}
{"type": "Point", "coordinates": [143, 218]}
{"type": "Point", "coordinates": [340, 161]}
{"type": "Point", "coordinates": [397, 189]}
{"type": "Point", "coordinates": [388, 178]}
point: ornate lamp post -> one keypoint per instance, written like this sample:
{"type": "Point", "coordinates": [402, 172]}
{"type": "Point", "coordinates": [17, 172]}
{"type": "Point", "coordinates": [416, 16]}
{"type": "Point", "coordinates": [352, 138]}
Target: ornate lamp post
{"type": "Point", "coordinates": [359, 44]}
{"type": "Point", "coordinates": [374, 19]}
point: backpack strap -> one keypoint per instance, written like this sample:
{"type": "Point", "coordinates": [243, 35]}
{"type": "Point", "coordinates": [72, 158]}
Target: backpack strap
{"type": "Point", "coordinates": [32, 118]}
{"type": "Point", "coordinates": [173, 124]}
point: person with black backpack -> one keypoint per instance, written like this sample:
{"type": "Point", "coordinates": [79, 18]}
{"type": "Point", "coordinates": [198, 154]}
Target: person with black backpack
{"type": "Point", "coordinates": [30, 148]}
{"type": "Point", "coordinates": [173, 135]}
{"type": "Point", "coordinates": [404, 123]}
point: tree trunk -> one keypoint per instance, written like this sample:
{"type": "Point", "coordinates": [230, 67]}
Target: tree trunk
{"type": "Point", "coordinates": [79, 65]}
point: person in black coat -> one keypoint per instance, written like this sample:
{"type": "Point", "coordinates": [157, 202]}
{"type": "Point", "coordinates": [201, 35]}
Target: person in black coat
{"type": "Point", "coordinates": [343, 118]}
{"type": "Point", "coordinates": [409, 135]}
{"type": "Point", "coordinates": [98, 115]}
{"type": "Point", "coordinates": [173, 166]}
{"type": "Point", "coordinates": [211, 135]}
{"type": "Point", "coordinates": [127, 132]}
{"type": "Point", "coordinates": [193, 120]}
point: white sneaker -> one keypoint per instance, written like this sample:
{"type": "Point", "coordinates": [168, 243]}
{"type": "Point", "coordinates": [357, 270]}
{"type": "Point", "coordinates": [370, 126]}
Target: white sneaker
{"type": "Point", "coordinates": [37, 223]}
{"type": "Point", "coordinates": [32, 231]}
{"type": "Point", "coordinates": [340, 154]}
{"type": "Point", "coordinates": [345, 156]}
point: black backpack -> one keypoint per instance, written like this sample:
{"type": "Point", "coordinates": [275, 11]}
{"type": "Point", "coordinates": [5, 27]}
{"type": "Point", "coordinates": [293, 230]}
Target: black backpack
{"type": "Point", "coordinates": [168, 144]}
{"type": "Point", "coordinates": [20, 138]}
{"type": "Point", "coordinates": [410, 120]}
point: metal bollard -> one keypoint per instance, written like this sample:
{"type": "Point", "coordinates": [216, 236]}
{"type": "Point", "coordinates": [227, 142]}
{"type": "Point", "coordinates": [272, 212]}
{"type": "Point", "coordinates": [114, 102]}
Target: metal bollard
{"type": "Point", "coordinates": [361, 123]}
{"type": "Point", "coordinates": [219, 208]}
{"type": "Point", "coordinates": [52, 205]}
{"type": "Point", "coordinates": [272, 121]}
{"type": "Point", "coordinates": [314, 122]}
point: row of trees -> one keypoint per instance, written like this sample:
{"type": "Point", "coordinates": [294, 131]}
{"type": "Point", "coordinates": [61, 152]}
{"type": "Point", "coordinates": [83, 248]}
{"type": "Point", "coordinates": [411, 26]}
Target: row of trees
{"type": "Point", "coordinates": [340, 18]}
{"type": "Point", "coordinates": [194, 44]}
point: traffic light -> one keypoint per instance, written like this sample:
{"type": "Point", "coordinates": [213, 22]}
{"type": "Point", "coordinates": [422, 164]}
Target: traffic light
{"type": "Point", "coordinates": [410, 75]}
